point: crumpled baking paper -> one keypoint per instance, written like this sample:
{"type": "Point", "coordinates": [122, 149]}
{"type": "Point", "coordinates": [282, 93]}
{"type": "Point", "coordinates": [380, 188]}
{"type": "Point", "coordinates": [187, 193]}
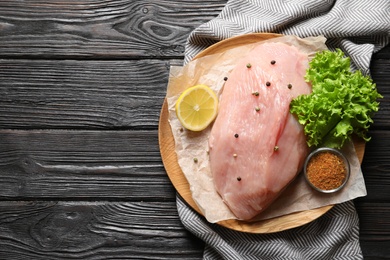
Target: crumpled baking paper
{"type": "Point", "coordinates": [211, 70]}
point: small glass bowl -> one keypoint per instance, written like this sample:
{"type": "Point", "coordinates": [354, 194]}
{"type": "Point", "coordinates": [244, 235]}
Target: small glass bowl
{"type": "Point", "coordinates": [340, 155]}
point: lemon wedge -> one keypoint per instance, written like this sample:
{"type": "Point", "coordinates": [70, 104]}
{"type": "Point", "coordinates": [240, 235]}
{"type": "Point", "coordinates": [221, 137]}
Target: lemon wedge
{"type": "Point", "coordinates": [197, 107]}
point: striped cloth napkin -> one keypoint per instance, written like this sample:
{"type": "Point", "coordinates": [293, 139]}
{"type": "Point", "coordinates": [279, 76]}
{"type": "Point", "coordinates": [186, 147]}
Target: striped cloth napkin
{"type": "Point", "coordinates": [360, 28]}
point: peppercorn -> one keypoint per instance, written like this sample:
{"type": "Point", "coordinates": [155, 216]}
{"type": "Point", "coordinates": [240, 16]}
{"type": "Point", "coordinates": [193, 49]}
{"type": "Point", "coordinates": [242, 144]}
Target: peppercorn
{"type": "Point", "coordinates": [225, 78]}
{"type": "Point", "coordinates": [273, 62]}
{"type": "Point", "coordinates": [289, 86]}
{"type": "Point", "coordinates": [239, 178]}
{"type": "Point", "coordinates": [268, 83]}
{"type": "Point", "coordinates": [236, 135]}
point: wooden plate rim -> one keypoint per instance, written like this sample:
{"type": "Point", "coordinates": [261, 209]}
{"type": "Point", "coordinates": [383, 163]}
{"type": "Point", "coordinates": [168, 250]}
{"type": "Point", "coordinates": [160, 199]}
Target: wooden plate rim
{"type": "Point", "coordinates": [179, 181]}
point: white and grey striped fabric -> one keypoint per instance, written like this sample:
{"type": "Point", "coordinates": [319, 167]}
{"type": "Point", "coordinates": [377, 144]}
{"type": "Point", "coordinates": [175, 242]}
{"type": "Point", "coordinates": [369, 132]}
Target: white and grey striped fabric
{"type": "Point", "coordinates": [359, 28]}
{"type": "Point", "coordinates": [334, 236]}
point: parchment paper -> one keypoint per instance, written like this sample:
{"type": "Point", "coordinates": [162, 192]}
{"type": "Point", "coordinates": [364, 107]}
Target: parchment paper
{"type": "Point", "coordinates": [211, 70]}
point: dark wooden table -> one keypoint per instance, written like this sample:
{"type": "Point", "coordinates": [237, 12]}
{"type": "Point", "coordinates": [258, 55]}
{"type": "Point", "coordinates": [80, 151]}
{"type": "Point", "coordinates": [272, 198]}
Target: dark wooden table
{"type": "Point", "coordinates": [81, 88]}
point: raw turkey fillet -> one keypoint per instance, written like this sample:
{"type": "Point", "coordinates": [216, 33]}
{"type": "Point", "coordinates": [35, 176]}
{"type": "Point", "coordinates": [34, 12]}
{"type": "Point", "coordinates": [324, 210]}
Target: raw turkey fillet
{"type": "Point", "coordinates": [256, 146]}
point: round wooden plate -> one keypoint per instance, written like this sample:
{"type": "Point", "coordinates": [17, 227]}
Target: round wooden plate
{"type": "Point", "coordinates": [175, 174]}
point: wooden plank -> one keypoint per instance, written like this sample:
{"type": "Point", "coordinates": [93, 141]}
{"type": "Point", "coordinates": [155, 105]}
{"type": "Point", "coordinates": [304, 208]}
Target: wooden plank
{"type": "Point", "coordinates": [376, 165]}
{"type": "Point", "coordinates": [375, 250]}
{"type": "Point", "coordinates": [122, 94]}
{"type": "Point", "coordinates": [380, 72]}
{"type": "Point", "coordinates": [383, 54]}
{"type": "Point", "coordinates": [124, 165]}
{"type": "Point", "coordinates": [374, 229]}
{"type": "Point", "coordinates": [82, 94]}
{"type": "Point", "coordinates": [94, 230]}
{"type": "Point", "coordinates": [89, 230]}
{"type": "Point", "coordinates": [375, 219]}
{"type": "Point", "coordinates": [100, 29]}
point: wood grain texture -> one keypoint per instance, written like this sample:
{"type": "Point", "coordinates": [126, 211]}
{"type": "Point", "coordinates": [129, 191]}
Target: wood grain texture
{"type": "Point", "coordinates": [100, 29]}
{"type": "Point", "coordinates": [101, 230]}
{"type": "Point", "coordinates": [373, 210]}
{"type": "Point", "coordinates": [118, 164]}
{"type": "Point", "coordinates": [46, 160]}
{"type": "Point", "coordinates": [82, 94]}
{"type": "Point", "coordinates": [374, 229]}
{"type": "Point", "coordinates": [69, 94]}
{"type": "Point", "coordinates": [122, 165]}
{"type": "Point", "coordinates": [380, 73]}
{"type": "Point", "coordinates": [94, 230]}
{"type": "Point", "coordinates": [376, 165]}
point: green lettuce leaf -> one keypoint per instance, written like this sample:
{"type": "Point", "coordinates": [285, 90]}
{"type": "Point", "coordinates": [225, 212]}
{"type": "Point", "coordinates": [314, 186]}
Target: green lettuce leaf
{"type": "Point", "coordinates": [342, 102]}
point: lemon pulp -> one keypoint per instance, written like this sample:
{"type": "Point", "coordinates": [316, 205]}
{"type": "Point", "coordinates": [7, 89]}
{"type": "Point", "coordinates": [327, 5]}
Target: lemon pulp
{"type": "Point", "coordinates": [197, 107]}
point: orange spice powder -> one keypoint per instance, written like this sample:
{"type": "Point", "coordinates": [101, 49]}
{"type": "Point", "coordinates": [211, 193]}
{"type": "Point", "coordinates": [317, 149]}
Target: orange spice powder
{"type": "Point", "coordinates": [326, 171]}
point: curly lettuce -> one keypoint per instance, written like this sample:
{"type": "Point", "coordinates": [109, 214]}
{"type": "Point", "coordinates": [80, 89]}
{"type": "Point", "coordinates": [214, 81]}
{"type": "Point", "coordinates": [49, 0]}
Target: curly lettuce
{"type": "Point", "coordinates": [342, 102]}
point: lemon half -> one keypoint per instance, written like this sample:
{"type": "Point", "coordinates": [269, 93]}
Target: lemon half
{"type": "Point", "coordinates": [197, 107]}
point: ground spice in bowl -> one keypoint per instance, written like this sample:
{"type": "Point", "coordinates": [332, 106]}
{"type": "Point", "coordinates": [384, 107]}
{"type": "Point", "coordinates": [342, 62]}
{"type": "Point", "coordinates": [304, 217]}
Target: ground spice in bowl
{"type": "Point", "coordinates": [326, 170]}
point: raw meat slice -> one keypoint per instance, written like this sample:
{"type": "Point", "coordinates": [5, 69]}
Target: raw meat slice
{"type": "Point", "coordinates": [256, 146]}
